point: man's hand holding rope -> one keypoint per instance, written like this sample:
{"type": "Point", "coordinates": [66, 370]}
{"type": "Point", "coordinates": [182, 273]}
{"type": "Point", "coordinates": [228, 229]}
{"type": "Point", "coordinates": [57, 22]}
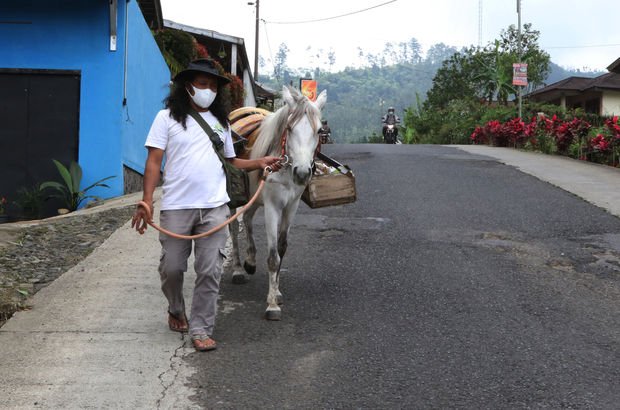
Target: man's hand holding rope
{"type": "Point", "coordinates": [143, 217]}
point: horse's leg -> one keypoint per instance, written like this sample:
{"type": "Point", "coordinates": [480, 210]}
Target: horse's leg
{"type": "Point", "coordinates": [237, 275]}
{"type": "Point", "coordinates": [272, 220]}
{"type": "Point", "coordinates": [288, 214]}
{"type": "Point", "coordinates": [250, 256]}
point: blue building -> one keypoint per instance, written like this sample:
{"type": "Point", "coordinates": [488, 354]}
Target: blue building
{"type": "Point", "coordinates": [80, 80]}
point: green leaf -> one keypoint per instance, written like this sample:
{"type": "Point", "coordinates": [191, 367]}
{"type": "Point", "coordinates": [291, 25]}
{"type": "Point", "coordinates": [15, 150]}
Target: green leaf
{"type": "Point", "coordinates": [54, 185]}
{"type": "Point", "coordinates": [99, 183]}
{"type": "Point", "coordinates": [64, 173]}
{"type": "Point", "coordinates": [76, 176]}
{"type": "Point", "coordinates": [23, 292]}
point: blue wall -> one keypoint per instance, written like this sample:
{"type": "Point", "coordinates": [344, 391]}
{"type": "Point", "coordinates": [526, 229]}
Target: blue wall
{"type": "Point", "coordinates": [148, 80]}
{"type": "Point", "coordinates": [74, 35]}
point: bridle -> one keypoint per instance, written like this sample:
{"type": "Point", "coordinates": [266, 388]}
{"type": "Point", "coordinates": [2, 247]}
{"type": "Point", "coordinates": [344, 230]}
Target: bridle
{"type": "Point", "coordinates": [290, 123]}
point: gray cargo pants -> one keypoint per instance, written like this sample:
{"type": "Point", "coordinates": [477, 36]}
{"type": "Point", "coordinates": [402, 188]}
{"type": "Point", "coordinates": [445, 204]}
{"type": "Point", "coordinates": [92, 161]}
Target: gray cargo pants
{"type": "Point", "coordinates": [208, 255]}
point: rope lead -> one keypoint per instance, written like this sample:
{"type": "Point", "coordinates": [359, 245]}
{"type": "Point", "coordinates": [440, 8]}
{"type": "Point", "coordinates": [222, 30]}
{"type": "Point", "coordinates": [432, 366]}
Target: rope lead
{"type": "Point", "coordinates": [149, 215]}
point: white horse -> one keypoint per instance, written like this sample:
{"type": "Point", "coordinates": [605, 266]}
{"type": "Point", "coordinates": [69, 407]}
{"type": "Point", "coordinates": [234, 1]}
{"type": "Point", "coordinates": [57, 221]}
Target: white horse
{"type": "Point", "coordinates": [291, 131]}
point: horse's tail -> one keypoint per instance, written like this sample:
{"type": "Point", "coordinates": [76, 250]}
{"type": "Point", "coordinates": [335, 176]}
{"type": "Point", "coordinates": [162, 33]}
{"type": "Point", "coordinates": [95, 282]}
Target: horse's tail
{"type": "Point", "coordinates": [245, 123]}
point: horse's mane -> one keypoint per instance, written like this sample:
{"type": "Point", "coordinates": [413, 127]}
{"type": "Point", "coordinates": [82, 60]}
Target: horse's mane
{"type": "Point", "coordinates": [272, 127]}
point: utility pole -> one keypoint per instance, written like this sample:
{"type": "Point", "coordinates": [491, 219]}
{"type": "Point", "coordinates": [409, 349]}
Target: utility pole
{"type": "Point", "coordinates": [479, 23]}
{"type": "Point", "coordinates": [256, 40]}
{"type": "Point", "coordinates": [518, 48]}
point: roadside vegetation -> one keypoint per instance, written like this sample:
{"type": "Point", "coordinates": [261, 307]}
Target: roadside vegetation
{"type": "Point", "coordinates": [443, 96]}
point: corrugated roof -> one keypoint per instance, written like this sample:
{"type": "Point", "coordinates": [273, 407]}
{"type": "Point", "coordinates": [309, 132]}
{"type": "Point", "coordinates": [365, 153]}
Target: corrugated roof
{"type": "Point", "coordinates": [608, 81]}
{"type": "Point", "coordinates": [615, 66]}
{"type": "Point", "coordinates": [204, 32]}
{"type": "Point", "coordinates": [567, 84]}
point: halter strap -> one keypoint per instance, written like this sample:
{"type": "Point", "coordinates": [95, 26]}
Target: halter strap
{"type": "Point", "coordinates": [283, 139]}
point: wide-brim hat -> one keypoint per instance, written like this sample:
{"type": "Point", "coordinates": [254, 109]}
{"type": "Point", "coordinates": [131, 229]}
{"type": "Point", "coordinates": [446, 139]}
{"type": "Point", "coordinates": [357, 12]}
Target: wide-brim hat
{"type": "Point", "coordinates": [203, 65]}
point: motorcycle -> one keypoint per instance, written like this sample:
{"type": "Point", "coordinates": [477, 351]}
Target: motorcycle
{"type": "Point", "coordinates": [325, 137]}
{"type": "Point", "coordinates": [391, 134]}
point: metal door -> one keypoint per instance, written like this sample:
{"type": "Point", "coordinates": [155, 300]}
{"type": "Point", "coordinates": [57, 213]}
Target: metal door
{"type": "Point", "coordinates": [39, 121]}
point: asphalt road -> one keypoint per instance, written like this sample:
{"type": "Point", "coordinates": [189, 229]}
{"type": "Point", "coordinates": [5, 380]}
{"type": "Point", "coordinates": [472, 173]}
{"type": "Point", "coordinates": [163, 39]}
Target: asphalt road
{"type": "Point", "coordinates": [454, 281]}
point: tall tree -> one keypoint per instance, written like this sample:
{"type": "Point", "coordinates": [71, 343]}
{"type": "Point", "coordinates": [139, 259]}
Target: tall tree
{"type": "Point", "coordinates": [454, 80]}
{"type": "Point", "coordinates": [438, 53]}
{"type": "Point", "coordinates": [416, 51]}
{"type": "Point", "coordinates": [487, 73]}
{"type": "Point", "coordinates": [331, 58]}
{"type": "Point", "coordinates": [279, 65]}
{"type": "Point", "coordinates": [537, 59]}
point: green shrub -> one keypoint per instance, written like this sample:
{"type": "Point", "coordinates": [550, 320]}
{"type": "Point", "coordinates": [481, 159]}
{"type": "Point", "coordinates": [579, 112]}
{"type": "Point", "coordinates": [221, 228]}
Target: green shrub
{"type": "Point", "coordinates": [70, 192]}
{"type": "Point", "coordinates": [30, 202]}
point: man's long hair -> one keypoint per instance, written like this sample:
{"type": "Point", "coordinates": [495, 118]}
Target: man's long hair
{"type": "Point", "coordinates": [178, 101]}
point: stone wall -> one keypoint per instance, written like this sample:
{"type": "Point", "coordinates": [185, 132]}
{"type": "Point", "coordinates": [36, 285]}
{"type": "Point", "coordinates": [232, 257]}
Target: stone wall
{"type": "Point", "coordinates": [132, 181]}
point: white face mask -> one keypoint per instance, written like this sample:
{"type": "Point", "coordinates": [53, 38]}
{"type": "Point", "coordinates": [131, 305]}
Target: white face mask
{"type": "Point", "coordinates": [203, 98]}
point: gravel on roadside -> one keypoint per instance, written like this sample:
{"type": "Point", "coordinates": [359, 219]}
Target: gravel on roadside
{"type": "Point", "coordinates": [37, 254]}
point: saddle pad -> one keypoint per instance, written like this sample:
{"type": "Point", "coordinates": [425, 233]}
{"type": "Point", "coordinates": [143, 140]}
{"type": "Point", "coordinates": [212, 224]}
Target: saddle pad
{"type": "Point", "coordinates": [245, 122]}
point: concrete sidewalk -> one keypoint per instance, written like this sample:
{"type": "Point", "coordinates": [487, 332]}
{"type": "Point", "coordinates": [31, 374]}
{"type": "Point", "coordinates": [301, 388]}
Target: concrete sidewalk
{"type": "Point", "coordinates": [597, 184]}
{"type": "Point", "coordinates": [97, 337]}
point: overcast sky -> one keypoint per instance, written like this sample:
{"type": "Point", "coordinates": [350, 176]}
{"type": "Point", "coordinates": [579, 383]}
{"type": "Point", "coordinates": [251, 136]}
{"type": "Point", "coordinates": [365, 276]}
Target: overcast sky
{"type": "Point", "coordinates": [576, 33]}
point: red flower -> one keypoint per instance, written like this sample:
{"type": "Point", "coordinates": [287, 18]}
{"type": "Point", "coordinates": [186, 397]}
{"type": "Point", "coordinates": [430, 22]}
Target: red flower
{"type": "Point", "coordinates": [599, 143]}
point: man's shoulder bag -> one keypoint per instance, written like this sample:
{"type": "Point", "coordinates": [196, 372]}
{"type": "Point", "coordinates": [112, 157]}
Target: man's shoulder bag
{"type": "Point", "coordinates": [237, 181]}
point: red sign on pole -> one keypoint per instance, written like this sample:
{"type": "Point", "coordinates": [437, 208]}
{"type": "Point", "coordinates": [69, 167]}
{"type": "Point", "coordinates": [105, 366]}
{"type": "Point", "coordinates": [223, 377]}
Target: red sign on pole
{"type": "Point", "coordinates": [308, 88]}
{"type": "Point", "coordinates": [519, 74]}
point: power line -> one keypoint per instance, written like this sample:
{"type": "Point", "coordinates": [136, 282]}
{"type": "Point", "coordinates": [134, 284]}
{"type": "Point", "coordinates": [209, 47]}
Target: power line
{"type": "Point", "coordinates": [268, 44]}
{"type": "Point", "coordinates": [589, 46]}
{"type": "Point", "coordinates": [333, 17]}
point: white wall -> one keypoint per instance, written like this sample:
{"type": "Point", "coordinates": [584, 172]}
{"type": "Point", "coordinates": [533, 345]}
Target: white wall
{"type": "Point", "coordinates": [611, 103]}
{"type": "Point", "coordinates": [250, 99]}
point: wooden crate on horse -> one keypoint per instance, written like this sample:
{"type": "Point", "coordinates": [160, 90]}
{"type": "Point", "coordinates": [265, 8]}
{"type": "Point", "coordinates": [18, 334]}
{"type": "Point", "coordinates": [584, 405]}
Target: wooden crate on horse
{"type": "Point", "coordinates": [334, 187]}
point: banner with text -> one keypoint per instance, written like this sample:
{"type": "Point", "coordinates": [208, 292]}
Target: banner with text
{"type": "Point", "coordinates": [519, 74]}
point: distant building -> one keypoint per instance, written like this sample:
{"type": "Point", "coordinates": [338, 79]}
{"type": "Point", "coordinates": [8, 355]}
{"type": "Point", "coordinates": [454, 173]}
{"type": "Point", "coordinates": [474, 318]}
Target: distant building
{"type": "Point", "coordinates": [599, 95]}
{"type": "Point", "coordinates": [231, 53]}
{"type": "Point", "coordinates": [80, 80]}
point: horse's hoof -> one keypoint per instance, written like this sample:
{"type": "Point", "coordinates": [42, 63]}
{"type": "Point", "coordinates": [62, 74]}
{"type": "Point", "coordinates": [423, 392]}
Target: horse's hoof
{"type": "Point", "coordinates": [239, 278]}
{"type": "Point", "coordinates": [279, 299]}
{"type": "Point", "coordinates": [273, 314]}
{"type": "Point", "coordinates": [250, 269]}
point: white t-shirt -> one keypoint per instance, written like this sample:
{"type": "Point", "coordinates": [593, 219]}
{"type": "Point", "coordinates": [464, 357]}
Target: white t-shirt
{"type": "Point", "coordinates": [193, 173]}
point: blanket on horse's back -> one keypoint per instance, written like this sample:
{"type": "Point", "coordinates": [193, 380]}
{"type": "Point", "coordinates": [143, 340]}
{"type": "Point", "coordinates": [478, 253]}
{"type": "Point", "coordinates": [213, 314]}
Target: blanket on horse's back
{"type": "Point", "coordinates": [245, 123]}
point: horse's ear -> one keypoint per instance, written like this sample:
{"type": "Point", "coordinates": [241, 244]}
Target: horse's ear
{"type": "Point", "coordinates": [288, 96]}
{"type": "Point", "coordinates": [321, 100]}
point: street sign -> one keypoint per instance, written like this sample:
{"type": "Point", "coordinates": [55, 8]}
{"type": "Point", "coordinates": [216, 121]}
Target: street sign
{"type": "Point", "coordinates": [308, 88]}
{"type": "Point", "coordinates": [519, 74]}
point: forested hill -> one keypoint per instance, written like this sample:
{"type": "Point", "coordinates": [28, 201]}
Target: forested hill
{"type": "Point", "coordinates": [357, 98]}
{"type": "Point", "coordinates": [558, 73]}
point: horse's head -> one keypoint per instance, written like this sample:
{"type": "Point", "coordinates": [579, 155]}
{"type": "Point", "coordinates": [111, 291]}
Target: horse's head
{"type": "Point", "coordinates": [304, 121]}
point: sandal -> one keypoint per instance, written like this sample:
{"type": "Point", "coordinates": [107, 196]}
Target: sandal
{"type": "Point", "coordinates": [177, 324]}
{"type": "Point", "coordinates": [203, 343]}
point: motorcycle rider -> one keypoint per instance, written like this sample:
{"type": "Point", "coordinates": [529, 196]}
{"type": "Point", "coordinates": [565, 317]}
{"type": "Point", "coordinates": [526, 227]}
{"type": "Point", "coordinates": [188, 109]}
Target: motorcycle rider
{"type": "Point", "coordinates": [325, 133]}
{"type": "Point", "coordinates": [390, 119]}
